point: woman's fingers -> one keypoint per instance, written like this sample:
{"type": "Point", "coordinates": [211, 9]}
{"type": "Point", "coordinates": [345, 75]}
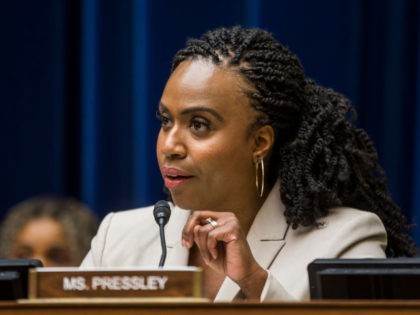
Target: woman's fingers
{"type": "Point", "coordinates": [212, 244]}
{"type": "Point", "coordinates": [220, 236]}
{"type": "Point", "coordinates": [200, 218]}
{"type": "Point", "coordinates": [188, 232]}
{"type": "Point", "coordinates": [201, 233]}
{"type": "Point", "coordinates": [210, 230]}
{"type": "Point", "coordinates": [223, 246]}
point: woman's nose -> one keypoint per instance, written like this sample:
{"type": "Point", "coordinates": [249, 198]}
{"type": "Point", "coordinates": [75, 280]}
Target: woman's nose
{"type": "Point", "coordinates": [172, 143]}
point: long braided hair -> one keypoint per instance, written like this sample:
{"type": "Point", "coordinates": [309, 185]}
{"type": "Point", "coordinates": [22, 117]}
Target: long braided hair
{"type": "Point", "coordinates": [322, 159]}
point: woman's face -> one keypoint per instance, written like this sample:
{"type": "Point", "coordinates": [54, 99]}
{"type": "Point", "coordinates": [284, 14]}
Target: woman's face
{"type": "Point", "coordinates": [43, 239]}
{"type": "Point", "coordinates": [205, 148]}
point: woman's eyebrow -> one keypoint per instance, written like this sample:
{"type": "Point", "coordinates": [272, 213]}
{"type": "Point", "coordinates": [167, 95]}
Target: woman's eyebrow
{"type": "Point", "coordinates": [195, 109]}
{"type": "Point", "coordinates": [163, 107]}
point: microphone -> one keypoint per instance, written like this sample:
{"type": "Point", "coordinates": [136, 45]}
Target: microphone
{"type": "Point", "coordinates": [162, 212]}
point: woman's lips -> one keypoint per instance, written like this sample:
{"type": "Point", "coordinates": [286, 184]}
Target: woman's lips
{"type": "Point", "coordinates": [172, 183]}
{"type": "Point", "coordinates": [174, 177]}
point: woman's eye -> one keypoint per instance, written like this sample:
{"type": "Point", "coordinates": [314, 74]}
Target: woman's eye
{"type": "Point", "coordinates": [22, 256]}
{"type": "Point", "coordinates": [199, 125]}
{"type": "Point", "coordinates": [22, 252]}
{"type": "Point", "coordinates": [164, 120]}
{"type": "Point", "coordinates": [59, 256]}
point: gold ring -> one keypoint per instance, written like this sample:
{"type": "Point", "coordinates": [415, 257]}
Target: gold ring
{"type": "Point", "coordinates": [213, 223]}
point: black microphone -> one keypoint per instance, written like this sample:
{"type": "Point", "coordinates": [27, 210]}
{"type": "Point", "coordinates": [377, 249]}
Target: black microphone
{"type": "Point", "coordinates": [162, 212]}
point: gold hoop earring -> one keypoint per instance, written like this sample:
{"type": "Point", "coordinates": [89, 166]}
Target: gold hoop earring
{"type": "Point", "coordinates": [259, 169]}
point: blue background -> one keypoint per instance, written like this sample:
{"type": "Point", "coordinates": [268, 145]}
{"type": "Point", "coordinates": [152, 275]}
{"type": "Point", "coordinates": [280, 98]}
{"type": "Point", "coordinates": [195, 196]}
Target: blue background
{"type": "Point", "coordinates": [80, 82]}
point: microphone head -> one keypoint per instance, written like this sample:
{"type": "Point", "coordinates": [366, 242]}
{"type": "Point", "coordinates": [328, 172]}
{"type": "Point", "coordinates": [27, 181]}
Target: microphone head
{"type": "Point", "coordinates": [162, 212]}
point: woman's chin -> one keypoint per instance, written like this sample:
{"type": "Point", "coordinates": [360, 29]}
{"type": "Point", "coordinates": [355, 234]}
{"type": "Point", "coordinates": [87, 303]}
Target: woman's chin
{"type": "Point", "coordinates": [184, 204]}
{"type": "Point", "coordinates": [187, 203]}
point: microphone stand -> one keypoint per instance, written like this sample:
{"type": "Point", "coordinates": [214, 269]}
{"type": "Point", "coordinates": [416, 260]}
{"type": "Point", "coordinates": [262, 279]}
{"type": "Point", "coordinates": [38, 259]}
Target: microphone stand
{"type": "Point", "coordinates": [163, 244]}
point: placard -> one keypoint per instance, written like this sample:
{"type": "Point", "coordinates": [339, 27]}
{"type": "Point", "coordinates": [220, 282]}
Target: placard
{"type": "Point", "coordinates": [114, 282]}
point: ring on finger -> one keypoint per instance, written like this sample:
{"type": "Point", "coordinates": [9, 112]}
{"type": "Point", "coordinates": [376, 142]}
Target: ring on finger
{"type": "Point", "coordinates": [213, 223]}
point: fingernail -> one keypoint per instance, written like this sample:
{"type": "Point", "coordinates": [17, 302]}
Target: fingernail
{"type": "Point", "coordinates": [186, 243]}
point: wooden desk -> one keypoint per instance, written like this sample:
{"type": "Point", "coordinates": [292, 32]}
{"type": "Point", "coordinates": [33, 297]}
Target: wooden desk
{"type": "Point", "coordinates": [182, 307]}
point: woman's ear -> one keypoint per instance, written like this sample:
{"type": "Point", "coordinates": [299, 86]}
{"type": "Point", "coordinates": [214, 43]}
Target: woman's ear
{"type": "Point", "coordinates": [264, 141]}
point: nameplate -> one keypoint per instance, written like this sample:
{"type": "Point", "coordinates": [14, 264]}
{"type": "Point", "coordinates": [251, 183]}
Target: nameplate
{"type": "Point", "coordinates": [114, 282]}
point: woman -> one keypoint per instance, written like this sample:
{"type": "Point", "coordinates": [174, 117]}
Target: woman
{"type": "Point", "coordinates": [270, 170]}
{"type": "Point", "coordinates": [56, 231]}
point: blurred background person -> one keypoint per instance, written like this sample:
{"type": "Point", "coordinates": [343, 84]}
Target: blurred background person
{"type": "Point", "coordinates": [55, 230]}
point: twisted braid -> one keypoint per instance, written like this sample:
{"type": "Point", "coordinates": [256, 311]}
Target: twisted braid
{"type": "Point", "coordinates": [323, 160]}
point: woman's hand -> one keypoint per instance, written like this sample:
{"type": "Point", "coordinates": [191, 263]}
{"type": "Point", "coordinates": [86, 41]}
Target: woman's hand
{"type": "Point", "coordinates": [225, 249]}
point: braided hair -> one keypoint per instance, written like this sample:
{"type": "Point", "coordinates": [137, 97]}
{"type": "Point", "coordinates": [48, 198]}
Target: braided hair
{"type": "Point", "coordinates": [322, 159]}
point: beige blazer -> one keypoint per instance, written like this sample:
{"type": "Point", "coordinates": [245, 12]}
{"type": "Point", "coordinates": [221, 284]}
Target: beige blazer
{"type": "Point", "coordinates": [131, 238]}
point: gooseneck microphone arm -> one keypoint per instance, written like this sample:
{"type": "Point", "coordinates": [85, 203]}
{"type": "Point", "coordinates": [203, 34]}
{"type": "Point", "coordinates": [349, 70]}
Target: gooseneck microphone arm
{"type": "Point", "coordinates": [162, 212]}
{"type": "Point", "coordinates": [163, 244]}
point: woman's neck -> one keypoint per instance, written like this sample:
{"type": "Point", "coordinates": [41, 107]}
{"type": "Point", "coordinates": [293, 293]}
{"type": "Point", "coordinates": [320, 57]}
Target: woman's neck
{"type": "Point", "coordinates": [247, 211]}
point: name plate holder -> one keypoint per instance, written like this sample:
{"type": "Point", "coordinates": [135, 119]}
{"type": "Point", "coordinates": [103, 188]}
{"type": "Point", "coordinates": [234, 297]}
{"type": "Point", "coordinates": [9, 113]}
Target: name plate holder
{"type": "Point", "coordinates": [57, 282]}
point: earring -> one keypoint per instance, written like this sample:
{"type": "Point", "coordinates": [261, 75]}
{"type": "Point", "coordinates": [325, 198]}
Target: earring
{"type": "Point", "coordinates": [259, 168]}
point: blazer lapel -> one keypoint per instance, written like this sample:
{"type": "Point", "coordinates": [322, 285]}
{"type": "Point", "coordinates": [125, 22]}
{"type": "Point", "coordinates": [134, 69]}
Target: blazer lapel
{"type": "Point", "coordinates": [176, 255]}
{"type": "Point", "coordinates": [266, 238]}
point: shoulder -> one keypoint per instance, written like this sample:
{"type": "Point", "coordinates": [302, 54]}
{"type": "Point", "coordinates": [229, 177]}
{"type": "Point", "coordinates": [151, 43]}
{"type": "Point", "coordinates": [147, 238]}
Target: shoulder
{"type": "Point", "coordinates": [131, 216]}
{"type": "Point", "coordinates": [131, 237]}
{"type": "Point", "coordinates": [143, 216]}
{"type": "Point", "coordinates": [137, 222]}
{"type": "Point", "coordinates": [354, 225]}
{"type": "Point", "coordinates": [339, 216]}
{"type": "Point", "coordinates": [121, 226]}
{"type": "Point", "coordinates": [115, 230]}
{"type": "Point", "coordinates": [350, 232]}
{"type": "Point", "coordinates": [344, 232]}
{"type": "Point", "coordinates": [125, 221]}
